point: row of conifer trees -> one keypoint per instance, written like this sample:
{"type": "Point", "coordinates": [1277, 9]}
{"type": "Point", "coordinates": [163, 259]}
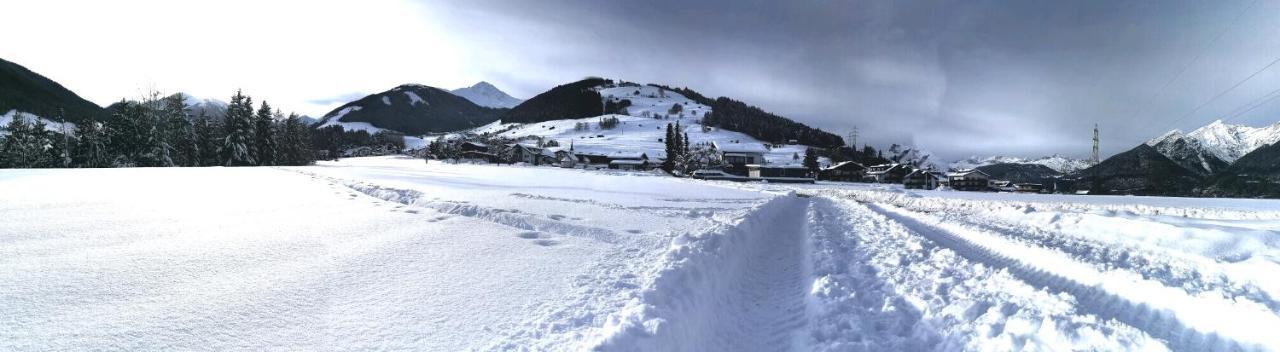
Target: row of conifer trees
{"type": "Point", "coordinates": [161, 132]}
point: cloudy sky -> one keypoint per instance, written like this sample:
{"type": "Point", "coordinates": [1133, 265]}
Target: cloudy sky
{"type": "Point", "coordinates": [958, 78]}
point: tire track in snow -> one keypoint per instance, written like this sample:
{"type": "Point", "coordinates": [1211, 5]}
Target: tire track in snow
{"type": "Point", "coordinates": [1168, 270]}
{"type": "Point", "coordinates": [1183, 326]}
{"type": "Point", "coordinates": [735, 287]}
{"type": "Point", "coordinates": [499, 216]}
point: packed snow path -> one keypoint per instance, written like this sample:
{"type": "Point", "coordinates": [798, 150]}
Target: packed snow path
{"type": "Point", "coordinates": [394, 254]}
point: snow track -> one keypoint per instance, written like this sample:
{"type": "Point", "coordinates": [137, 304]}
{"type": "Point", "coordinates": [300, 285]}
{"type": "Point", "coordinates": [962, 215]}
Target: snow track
{"type": "Point", "coordinates": [732, 288]}
{"type": "Point", "coordinates": [1184, 322]}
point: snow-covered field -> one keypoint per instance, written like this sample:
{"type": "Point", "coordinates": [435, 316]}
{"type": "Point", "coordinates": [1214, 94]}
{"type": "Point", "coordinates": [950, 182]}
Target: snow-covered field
{"type": "Point", "coordinates": [392, 253]}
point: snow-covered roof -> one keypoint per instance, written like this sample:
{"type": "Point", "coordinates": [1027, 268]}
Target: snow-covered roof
{"type": "Point", "coordinates": [745, 148]}
{"type": "Point", "coordinates": [842, 164]}
{"type": "Point", "coordinates": [963, 173]}
{"type": "Point", "coordinates": [626, 162]}
{"type": "Point", "coordinates": [627, 155]}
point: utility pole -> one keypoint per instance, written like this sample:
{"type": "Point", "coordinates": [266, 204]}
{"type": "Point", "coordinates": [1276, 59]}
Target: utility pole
{"type": "Point", "coordinates": [853, 138]}
{"type": "Point", "coordinates": [1096, 160]}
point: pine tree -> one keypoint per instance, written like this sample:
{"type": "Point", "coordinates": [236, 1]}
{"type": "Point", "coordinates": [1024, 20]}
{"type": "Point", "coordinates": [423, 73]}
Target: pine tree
{"type": "Point", "coordinates": [207, 140]}
{"type": "Point", "coordinates": [810, 159]}
{"type": "Point", "coordinates": [91, 150]}
{"type": "Point", "coordinates": [264, 136]}
{"type": "Point", "coordinates": [670, 141]}
{"type": "Point", "coordinates": [156, 150]}
{"type": "Point", "coordinates": [239, 137]}
{"type": "Point", "coordinates": [181, 133]}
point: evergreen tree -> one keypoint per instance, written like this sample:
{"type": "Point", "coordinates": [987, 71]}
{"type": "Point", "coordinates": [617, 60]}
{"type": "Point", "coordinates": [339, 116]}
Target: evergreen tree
{"type": "Point", "coordinates": [264, 136]}
{"type": "Point", "coordinates": [207, 140]}
{"type": "Point", "coordinates": [91, 150]}
{"type": "Point", "coordinates": [239, 137]}
{"type": "Point", "coordinates": [810, 159]}
{"type": "Point", "coordinates": [181, 132]}
{"type": "Point", "coordinates": [669, 164]}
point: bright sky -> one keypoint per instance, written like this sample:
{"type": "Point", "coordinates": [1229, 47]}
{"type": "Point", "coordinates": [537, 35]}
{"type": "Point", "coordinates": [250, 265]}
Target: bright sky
{"type": "Point", "coordinates": [295, 54]}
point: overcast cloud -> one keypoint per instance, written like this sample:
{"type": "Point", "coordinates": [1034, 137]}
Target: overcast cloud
{"type": "Point", "coordinates": [958, 78]}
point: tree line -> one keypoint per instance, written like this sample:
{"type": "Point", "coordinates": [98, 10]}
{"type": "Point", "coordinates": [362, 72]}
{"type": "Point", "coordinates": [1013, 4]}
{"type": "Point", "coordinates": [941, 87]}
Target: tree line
{"type": "Point", "coordinates": [161, 132]}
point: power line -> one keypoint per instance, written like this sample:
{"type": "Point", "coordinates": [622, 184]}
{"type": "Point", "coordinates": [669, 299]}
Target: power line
{"type": "Point", "coordinates": [1160, 92]}
{"type": "Point", "coordinates": [1263, 100]}
{"type": "Point", "coordinates": [1220, 94]}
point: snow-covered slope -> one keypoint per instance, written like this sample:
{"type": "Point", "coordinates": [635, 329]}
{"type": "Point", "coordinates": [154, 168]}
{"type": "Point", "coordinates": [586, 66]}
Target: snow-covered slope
{"type": "Point", "coordinates": [211, 108]}
{"type": "Point", "coordinates": [1229, 142]}
{"type": "Point", "coordinates": [638, 133]}
{"type": "Point", "coordinates": [1188, 152]}
{"type": "Point", "coordinates": [485, 94]}
{"type": "Point", "coordinates": [49, 125]}
{"type": "Point", "coordinates": [1056, 162]}
{"type": "Point", "coordinates": [411, 109]}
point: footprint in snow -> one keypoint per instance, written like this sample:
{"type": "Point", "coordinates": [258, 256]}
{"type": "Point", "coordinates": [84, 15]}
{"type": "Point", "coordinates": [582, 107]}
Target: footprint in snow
{"type": "Point", "coordinates": [634, 231]}
{"type": "Point", "coordinates": [411, 211]}
{"type": "Point", "coordinates": [529, 235]}
{"type": "Point", "coordinates": [546, 243]}
{"type": "Point", "coordinates": [556, 217]}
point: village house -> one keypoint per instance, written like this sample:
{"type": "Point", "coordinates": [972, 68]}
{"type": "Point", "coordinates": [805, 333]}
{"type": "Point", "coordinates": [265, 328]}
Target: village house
{"type": "Point", "coordinates": [847, 171]}
{"type": "Point", "coordinates": [737, 156]}
{"type": "Point", "coordinates": [968, 180]}
{"type": "Point", "coordinates": [780, 173]}
{"type": "Point", "coordinates": [1030, 187]}
{"type": "Point", "coordinates": [924, 179]}
{"type": "Point", "coordinates": [476, 152]}
{"type": "Point", "coordinates": [629, 161]}
{"type": "Point", "coordinates": [886, 173]}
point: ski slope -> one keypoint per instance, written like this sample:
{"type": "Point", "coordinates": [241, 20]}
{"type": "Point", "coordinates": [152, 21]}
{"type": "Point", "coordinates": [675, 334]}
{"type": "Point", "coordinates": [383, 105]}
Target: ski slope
{"type": "Point", "coordinates": [391, 253]}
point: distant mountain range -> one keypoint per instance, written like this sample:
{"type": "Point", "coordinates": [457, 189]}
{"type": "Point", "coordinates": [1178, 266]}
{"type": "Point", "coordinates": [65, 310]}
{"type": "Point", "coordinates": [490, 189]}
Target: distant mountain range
{"type": "Point", "coordinates": [1054, 162]}
{"type": "Point", "coordinates": [486, 95]}
{"type": "Point", "coordinates": [1218, 159]}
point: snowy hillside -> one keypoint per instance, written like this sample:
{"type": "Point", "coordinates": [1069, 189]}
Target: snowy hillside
{"type": "Point", "coordinates": [411, 109]}
{"type": "Point", "coordinates": [391, 253]}
{"type": "Point", "coordinates": [49, 125]}
{"type": "Point", "coordinates": [485, 94]}
{"type": "Point", "coordinates": [1056, 162]}
{"type": "Point", "coordinates": [1229, 142]}
{"type": "Point", "coordinates": [639, 131]}
{"type": "Point", "coordinates": [1189, 152]}
{"type": "Point", "coordinates": [211, 108]}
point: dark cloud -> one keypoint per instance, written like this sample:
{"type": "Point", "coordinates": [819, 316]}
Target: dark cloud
{"type": "Point", "coordinates": [956, 77]}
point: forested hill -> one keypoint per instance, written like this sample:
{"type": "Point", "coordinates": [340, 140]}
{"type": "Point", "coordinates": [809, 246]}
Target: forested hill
{"type": "Point", "coordinates": [738, 116]}
{"type": "Point", "coordinates": [27, 91]}
{"type": "Point", "coordinates": [582, 99]}
{"type": "Point", "coordinates": [568, 101]}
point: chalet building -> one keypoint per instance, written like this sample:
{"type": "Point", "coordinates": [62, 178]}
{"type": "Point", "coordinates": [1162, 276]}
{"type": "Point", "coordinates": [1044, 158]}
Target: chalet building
{"type": "Point", "coordinates": [968, 180]}
{"type": "Point", "coordinates": [1002, 185]}
{"type": "Point", "coordinates": [1030, 187]}
{"type": "Point", "coordinates": [525, 154]}
{"type": "Point", "coordinates": [886, 173]}
{"type": "Point", "coordinates": [629, 161]}
{"type": "Point", "coordinates": [737, 156]}
{"type": "Point", "coordinates": [566, 159]}
{"type": "Point", "coordinates": [924, 179]}
{"type": "Point", "coordinates": [847, 171]}
{"type": "Point", "coordinates": [780, 173]}
{"type": "Point", "coordinates": [474, 147]}
{"type": "Point", "coordinates": [590, 158]}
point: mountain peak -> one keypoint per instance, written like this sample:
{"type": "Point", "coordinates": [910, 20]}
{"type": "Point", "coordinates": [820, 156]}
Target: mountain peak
{"type": "Point", "coordinates": [485, 94]}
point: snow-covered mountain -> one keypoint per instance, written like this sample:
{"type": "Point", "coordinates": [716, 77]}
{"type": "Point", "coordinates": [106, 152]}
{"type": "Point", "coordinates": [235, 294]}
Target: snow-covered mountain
{"type": "Point", "coordinates": [1188, 152]}
{"type": "Point", "coordinates": [209, 108]}
{"type": "Point", "coordinates": [1229, 142]}
{"type": "Point", "coordinates": [412, 109]}
{"type": "Point", "coordinates": [485, 94]}
{"type": "Point", "coordinates": [1056, 162]}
